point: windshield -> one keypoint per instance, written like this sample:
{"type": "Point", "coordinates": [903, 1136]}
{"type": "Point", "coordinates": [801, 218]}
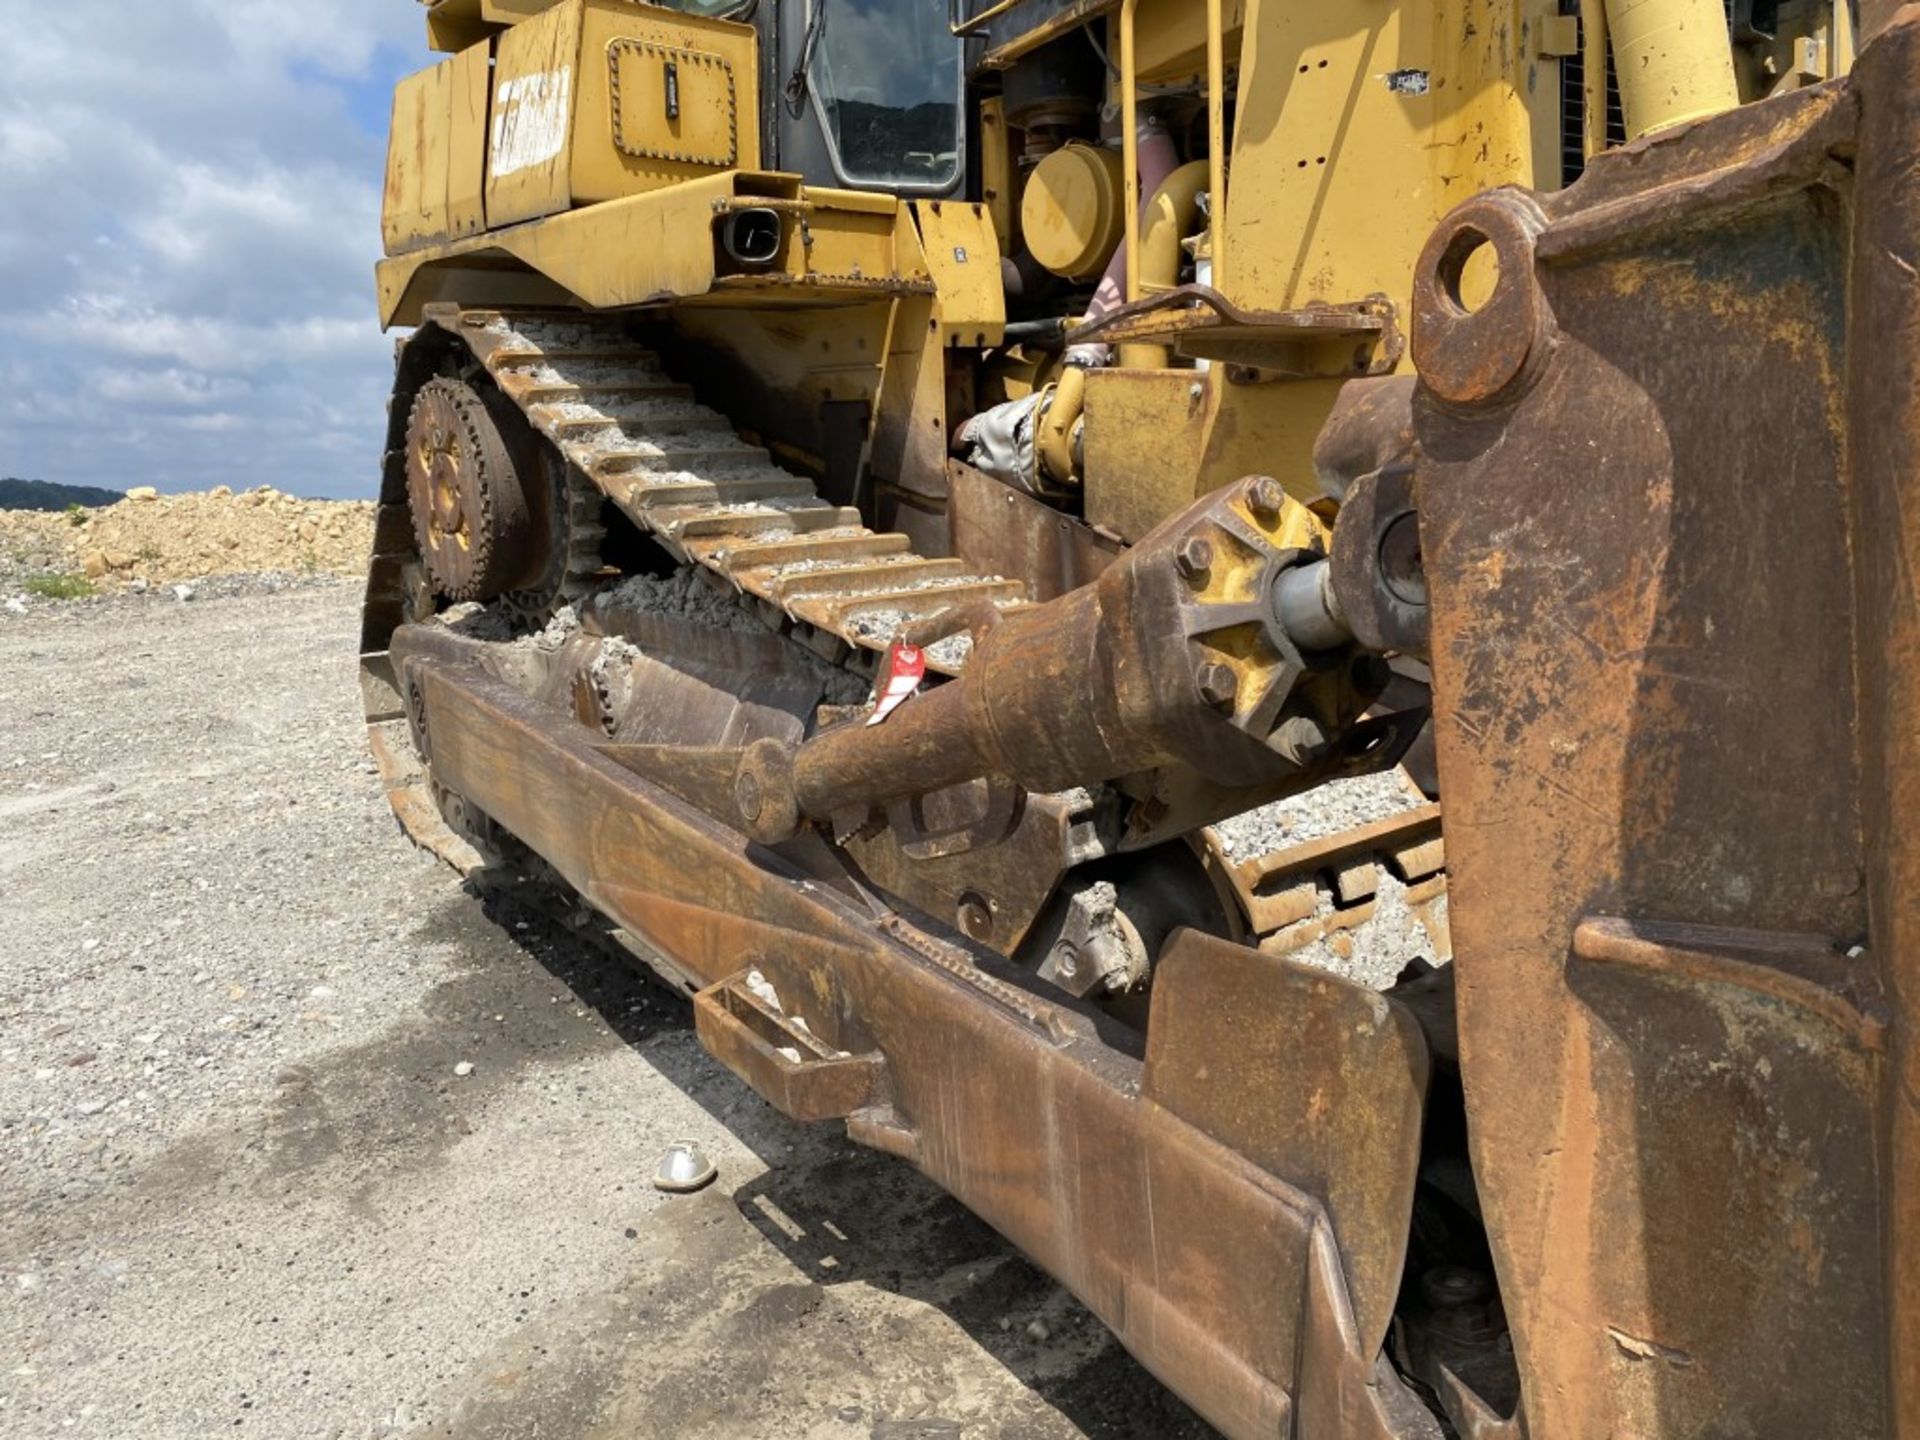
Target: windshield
{"type": "Point", "coordinates": [886, 75]}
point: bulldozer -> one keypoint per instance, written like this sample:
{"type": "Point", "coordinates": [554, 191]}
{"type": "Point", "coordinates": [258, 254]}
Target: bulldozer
{"type": "Point", "coordinates": [883, 504]}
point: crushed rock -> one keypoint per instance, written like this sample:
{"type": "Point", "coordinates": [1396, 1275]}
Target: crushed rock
{"type": "Point", "coordinates": [582, 372]}
{"type": "Point", "coordinates": [543, 333]}
{"type": "Point", "coordinates": [685, 596]}
{"type": "Point", "coordinates": [162, 539]}
{"type": "Point", "coordinates": [1375, 952]}
{"type": "Point", "coordinates": [1338, 805]}
{"type": "Point", "coordinates": [564, 625]}
{"type": "Point", "coordinates": [952, 652]}
{"type": "Point", "coordinates": [881, 623]}
{"type": "Point", "coordinates": [476, 621]}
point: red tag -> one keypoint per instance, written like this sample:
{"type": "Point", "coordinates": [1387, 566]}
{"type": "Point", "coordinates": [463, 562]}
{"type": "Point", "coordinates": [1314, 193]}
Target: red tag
{"type": "Point", "coordinates": [906, 668]}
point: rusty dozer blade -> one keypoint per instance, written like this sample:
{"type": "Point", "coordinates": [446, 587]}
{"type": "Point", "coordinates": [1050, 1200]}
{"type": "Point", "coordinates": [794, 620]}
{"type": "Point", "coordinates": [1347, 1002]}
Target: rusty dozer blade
{"type": "Point", "coordinates": [1670, 525]}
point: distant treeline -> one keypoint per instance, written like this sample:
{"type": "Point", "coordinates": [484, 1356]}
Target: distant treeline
{"type": "Point", "coordinates": [45, 495]}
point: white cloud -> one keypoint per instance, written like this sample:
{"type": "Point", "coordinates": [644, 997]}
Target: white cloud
{"type": "Point", "coordinates": [187, 243]}
{"type": "Point", "coordinates": [171, 388]}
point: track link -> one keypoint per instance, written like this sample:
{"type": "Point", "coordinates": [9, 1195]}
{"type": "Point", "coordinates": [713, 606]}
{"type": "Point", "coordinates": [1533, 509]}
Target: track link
{"type": "Point", "coordinates": [680, 472]}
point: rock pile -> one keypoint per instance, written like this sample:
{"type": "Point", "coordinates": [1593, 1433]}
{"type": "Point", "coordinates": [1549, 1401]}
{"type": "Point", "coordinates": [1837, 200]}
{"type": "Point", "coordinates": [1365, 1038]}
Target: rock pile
{"type": "Point", "coordinates": [158, 539]}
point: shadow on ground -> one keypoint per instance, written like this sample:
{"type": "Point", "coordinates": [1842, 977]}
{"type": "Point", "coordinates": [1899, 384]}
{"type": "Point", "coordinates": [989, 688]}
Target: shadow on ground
{"type": "Point", "coordinates": [846, 1221]}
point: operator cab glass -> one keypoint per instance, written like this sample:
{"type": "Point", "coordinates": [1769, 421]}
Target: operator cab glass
{"type": "Point", "coordinates": [885, 76]}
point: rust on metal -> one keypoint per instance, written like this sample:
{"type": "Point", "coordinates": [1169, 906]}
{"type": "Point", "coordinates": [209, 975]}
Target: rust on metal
{"type": "Point", "coordinates": [1285, 893]}
{"type": "Point", "coordinates": [791, 1068]}
{"type": "Point", "coordinates": [1645, 510]}
{"type": "Point", "coordinates": [1177, 653]}
{"type": "Point", "coordinates": [1224, 1278]}
{"type": "Point", "coordinates": [1664, 513]}
{"type": "Point", "coordinates": [1002, 531]}
{"type": "Point", "coordinates": [1317, 340]}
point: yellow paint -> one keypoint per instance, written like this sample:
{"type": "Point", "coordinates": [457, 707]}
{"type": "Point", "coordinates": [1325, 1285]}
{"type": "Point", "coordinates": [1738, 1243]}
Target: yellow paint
{"type": "Point", "coordinates": [1130, 134]}
{"type": "Point", "coordinates": [454, 25]}
{"type": "Point", "coordinates": [467, 98]}
{"type": "Point", "coordinates": [413, 211]}
{"type": "Point", "coordinates": [674, 102]}
{"type": "Point", "coordinates": [512, 12]}
{"type": "Point", "coordinates": [909, 449]}
{"type": "Point", "coordinates": [1171, 38]}
{"type": "Point", "coordinates": [1593, 77]}
{"type": "Point", "coordinates": [536, 72]}
{"type": "Point", "coordinates": [1840, 50]}
{"type": "Point", "coordinates": [659, 245]}
{"type": "Point", "coordinates": [1070, 213]}
{"type": "Point", "coordinates": [1674, 61]}
{"type": "Point", "coordinates": [999, 187]}
{"type": "Point", "coordinates": [1216, 136]}
{"type": "Point", "coordinates": [558, 140]}
{"type": "Point", "coordinates": [798, 361]}
{"type": "Point", "coordinates": [1172, 214]}
{"type": "Point", "coordinates": [458, 24]}
{"type": "Point", "coordinates": [1359, 127]}
{"type": "Point", "coordinates": [1155, 439]}
{"type": "Point", "coordinates": [1553, 33]}
{"type": "Point", "coordinates": [962, 255]}
{"type": "Point", "coordinates": [1060, 426]}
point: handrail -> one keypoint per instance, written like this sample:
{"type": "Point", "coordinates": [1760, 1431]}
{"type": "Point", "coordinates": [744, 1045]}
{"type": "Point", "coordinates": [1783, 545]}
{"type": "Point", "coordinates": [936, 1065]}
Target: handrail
{"type": "Point", "coordinates": [971, 26]}
{"type": "Point", "coordinates": [1130, 144]}
{"type": "Point", "coordinates": [1216, 132]}
{"type": "Point", "coordinates": [1593, 77]}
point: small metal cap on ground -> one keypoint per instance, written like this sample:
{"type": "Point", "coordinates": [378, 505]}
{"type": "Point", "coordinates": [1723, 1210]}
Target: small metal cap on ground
{"type": "Point", "coordinates": [683, 1168]}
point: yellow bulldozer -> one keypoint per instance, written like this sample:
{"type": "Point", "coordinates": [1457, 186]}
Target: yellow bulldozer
{"type": "Point", "coordinates": [881, 497]}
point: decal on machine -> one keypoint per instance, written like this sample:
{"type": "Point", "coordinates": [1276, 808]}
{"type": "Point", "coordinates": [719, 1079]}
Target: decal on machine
{"type": "Point", "coordinates": [901, 673]}
{"type": "Point", "coordinates": [530, 115]}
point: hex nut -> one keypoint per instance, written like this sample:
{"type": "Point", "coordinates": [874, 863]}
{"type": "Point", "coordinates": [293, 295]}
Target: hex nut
{"type": "Point", "coordinates": [1300, 739]}
{"type": "Point", "coordinates": [1265, 497]}
{"type": "Point", "coordinates": [1194, 557]}
{"type": "Point", "coordinates": [1218, 684]}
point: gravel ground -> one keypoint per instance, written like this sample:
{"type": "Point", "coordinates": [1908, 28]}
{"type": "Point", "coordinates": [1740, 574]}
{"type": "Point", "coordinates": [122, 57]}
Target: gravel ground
{"type": "Point", "coordinates": [247, 1185]}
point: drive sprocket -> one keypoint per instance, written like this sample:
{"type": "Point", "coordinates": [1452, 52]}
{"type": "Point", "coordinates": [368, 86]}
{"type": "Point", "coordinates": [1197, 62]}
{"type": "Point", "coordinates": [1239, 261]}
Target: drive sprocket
{"type": "Point", "coordinates": [471, 518]}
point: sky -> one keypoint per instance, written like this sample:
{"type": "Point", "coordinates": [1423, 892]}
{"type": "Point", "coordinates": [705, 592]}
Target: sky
{"type": "Point", "coordinates": [189, 216]}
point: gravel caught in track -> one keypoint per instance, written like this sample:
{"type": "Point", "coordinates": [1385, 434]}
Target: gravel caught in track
{"type": "Point", "coordinates": [246, 1186]}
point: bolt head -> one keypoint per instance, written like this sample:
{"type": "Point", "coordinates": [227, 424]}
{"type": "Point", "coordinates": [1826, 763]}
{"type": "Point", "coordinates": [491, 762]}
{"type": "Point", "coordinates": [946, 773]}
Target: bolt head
{"type": "Point", "coordinates": [747, 795]}
{"type": "Point", "coordinates": [1218, 684]}
{"type": "Point", "coordinates": [1265, 497]}
{"type": "Point", "coordinates": [1193, 557]}
{"type": "Point", "coordinates": [1300, 739]}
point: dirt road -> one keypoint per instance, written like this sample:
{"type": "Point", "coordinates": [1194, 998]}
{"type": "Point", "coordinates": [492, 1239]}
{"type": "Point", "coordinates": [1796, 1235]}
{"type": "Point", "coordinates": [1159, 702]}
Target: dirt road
{"type": "Point", "coordinates": [248, 1186]}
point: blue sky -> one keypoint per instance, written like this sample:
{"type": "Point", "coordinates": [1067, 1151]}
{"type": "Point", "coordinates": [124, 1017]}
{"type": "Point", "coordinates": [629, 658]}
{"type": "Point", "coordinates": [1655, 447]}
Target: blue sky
{"type": "Point", "coordinates": [190, 221]}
